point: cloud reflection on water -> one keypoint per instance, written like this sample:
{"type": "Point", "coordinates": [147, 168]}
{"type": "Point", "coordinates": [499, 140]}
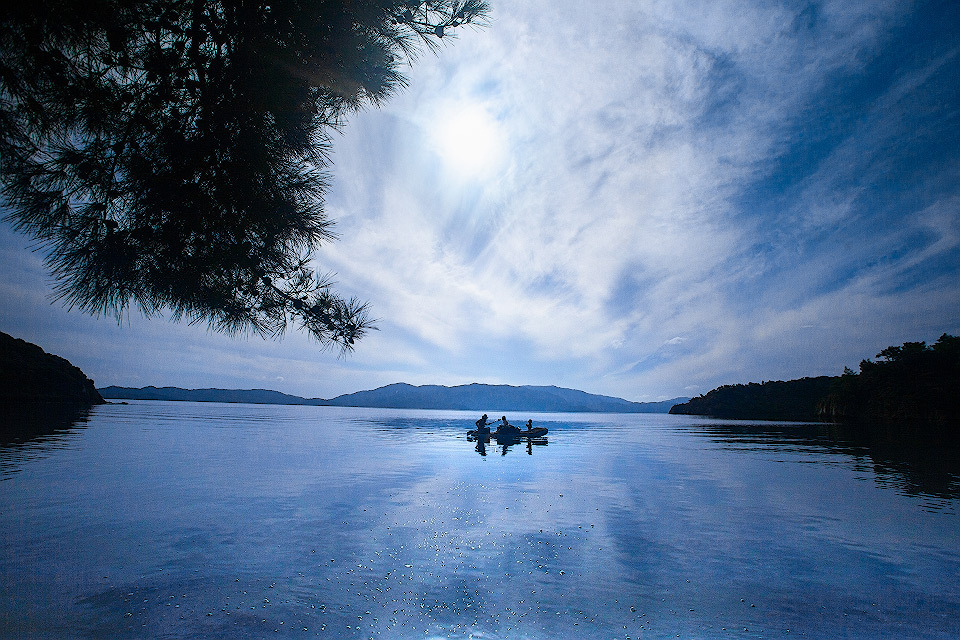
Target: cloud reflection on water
{"type": "Point", "coordinates": [238, 521]}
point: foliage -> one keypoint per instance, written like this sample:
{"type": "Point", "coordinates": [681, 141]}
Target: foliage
{"type": "Point", "coordinates": [908, 396]}
{"type": "Point", "coordinates": [171, 154]}
{"type": "Point", "coordinates": [910, 385]}
{"type": "Point", "coordinates": [771, 400]}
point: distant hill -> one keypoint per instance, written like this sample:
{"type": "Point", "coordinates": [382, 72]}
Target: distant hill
{"type": "Point", "coordinates": [479, 397]}
{"type": "Point", "coordinates": [482, 397]}
{"type": "Point", "coordinates": [247, 396]}
{"type": "Point", "coordinates": [774, 400]}
{"type": "Point", "coordinates": [28, 374]}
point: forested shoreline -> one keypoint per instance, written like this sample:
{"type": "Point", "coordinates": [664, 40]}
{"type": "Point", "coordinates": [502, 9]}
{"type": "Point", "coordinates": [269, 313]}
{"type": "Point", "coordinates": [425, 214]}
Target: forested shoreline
{"type": "Point", "coordinates": [771, 400]}
{"type": "Point", "coordinates": [910, 389]}
{"type": "Point", "coordinates": [913, 386]}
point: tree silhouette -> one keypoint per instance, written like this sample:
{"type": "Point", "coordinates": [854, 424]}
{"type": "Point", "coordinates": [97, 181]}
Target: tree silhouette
{"type": "Point", "coordinates": [171, 154]}
{"type": "Point", "coordinates": [912, 387]}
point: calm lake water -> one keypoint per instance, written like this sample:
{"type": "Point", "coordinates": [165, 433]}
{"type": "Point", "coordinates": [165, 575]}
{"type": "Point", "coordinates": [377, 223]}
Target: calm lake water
{"type": "Point", "coordinates": [189, 520]}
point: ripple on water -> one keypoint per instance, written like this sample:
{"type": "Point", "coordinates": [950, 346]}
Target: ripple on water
{"type": "Point", "coordinates": [225, 521]}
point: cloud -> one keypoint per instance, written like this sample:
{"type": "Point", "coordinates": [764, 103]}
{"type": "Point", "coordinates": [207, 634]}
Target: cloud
{"type": "Point", "coordinates": [683, 194]}
{"type": "Point", "coordinates": [620, 221]}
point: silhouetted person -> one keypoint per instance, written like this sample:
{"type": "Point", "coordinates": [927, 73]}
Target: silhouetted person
{"type": "Point", "coordinates": [482, 425]}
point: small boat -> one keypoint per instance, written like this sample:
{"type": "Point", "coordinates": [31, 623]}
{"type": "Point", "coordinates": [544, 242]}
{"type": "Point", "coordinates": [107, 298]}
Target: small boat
{"type": "Point", "coordinates": [510, 432]}
{"type": "Point", "coordinates": [533, 432]}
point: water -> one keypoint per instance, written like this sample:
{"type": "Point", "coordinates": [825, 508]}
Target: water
{"type": "Point", "coordinates": [183, 520]}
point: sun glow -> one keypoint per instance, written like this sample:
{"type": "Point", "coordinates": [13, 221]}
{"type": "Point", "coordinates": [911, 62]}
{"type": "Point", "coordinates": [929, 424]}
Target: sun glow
{"type": "Point", "coordinates": [469, 140]}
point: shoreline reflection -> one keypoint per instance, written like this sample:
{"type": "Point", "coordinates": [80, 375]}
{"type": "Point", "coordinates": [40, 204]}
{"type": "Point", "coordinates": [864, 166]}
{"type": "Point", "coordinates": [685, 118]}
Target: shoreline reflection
{"type": "Point", "coordinates": [914, 468]}
{"type": "Point", "coordinates": [29, 430]}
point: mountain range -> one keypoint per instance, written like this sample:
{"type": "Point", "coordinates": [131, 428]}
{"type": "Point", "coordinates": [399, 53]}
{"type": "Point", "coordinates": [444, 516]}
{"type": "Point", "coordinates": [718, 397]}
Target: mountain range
{"type": "Point", "coordinates": [477, 397]}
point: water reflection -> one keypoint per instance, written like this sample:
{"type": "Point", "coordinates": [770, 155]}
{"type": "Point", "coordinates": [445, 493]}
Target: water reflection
{"type": "Point", "coordinates": [29, 431]}
{"type": "Point", "coordinates": [227, 521]}
{"type": "Point", "coordinates": [505, 442]}
{"type": "Point", "coordinates": [912, 468]}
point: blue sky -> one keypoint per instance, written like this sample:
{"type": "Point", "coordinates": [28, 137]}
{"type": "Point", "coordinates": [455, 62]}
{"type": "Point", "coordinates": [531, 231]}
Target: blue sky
{"type": "Point", "coordinates": [645, 200]}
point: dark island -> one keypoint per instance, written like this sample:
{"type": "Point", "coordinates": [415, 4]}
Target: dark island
{"type": "Point", "coordinates": [790, 400]}
{"type": "Point", "coordinates": [30, 377]}
{"type": "Point", "coordinates": [911, 391]}
{"type": "Point", "coordinates": [41, 394]}
{"type": "Point", "coordinates": [913, 387]}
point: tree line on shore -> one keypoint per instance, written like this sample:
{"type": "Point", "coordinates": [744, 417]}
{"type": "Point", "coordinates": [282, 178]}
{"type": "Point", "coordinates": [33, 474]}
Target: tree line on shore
{"type": "Point", "coordinates": [913, 385]}
{"type": "Point", "coordinates": [909, 390]}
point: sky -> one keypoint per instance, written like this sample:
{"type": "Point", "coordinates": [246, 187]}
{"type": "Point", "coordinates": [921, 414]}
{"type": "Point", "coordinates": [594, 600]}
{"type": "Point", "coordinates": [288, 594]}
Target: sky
{"type": "Point", "coordinates": [640, 199]}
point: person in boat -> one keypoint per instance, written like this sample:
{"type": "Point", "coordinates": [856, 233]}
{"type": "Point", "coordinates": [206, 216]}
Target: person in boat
{"type": "Point", "coordinates": [507, 429]}
{"type": "Point", "coordinates": [482, 425]}
{"type": "Point", "coordinates": [533, 431]}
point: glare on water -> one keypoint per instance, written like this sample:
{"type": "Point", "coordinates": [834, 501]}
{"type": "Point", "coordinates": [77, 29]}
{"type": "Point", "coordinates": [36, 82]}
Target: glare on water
{"type": "Point", "coordinates": [206, 520]}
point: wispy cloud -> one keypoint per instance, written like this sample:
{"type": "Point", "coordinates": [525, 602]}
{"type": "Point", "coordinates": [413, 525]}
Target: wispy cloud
{"type": "Point", "coordinates": [680, 194]}
{"type": "Point", "coordinates": [637, 136]}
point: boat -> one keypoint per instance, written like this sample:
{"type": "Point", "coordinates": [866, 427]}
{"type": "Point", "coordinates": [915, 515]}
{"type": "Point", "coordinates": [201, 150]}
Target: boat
{"type": "Point", "coordinates": [533, 432]}
{"type": "Point", "coordinates": [510, 432]}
